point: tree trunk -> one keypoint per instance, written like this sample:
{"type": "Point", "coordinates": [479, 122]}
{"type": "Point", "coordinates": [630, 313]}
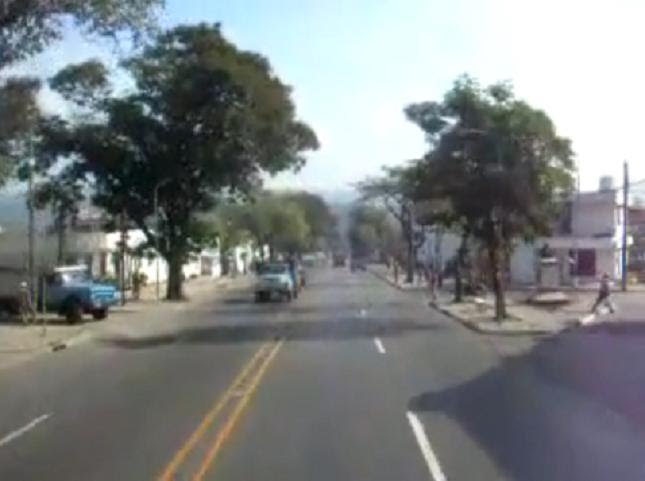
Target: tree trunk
{"type": "Point", "coordinates": [223, 262]}
{"type": "Point", "coordinates": [60, 233]}
{"type": "Point", "coordinates": [459, 264]}
{"type": "Point", "coordinates": [496, 277]}
{"type": "Point", "coordinates": [409, 278]}
{"type": "Point", "coordinates": [174, 291]}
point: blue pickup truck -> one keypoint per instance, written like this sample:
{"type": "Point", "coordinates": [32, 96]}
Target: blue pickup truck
{"type": "Point", "coordinates": [72, 292]}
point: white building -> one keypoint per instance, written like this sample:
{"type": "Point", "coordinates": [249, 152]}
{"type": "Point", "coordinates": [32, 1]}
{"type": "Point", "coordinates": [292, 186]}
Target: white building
{"type": "Point", "coordinates": [101, 252]}
{"type": "Point", "coordinates": [587, 242]}
{"type": "Point", "coordinates": [438, 246]}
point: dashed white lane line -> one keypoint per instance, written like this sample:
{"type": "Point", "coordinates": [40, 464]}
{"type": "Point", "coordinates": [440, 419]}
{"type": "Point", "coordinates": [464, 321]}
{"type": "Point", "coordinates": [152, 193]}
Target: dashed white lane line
{"type": "Point", "coordinates": [428, 454]}
{"type": "Point", "coordinates": [19, 432]}
{"type": "Point", "coordinates": [379, 345]}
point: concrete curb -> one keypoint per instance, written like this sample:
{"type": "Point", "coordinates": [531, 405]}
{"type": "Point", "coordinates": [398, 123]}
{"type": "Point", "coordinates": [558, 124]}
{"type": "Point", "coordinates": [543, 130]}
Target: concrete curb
{"type": "Point", "coordinates": [383, 278]}
{"type": "Point", "coordinates": [474, 327]}
{"type": "Point", "coordinates": [393, 284]}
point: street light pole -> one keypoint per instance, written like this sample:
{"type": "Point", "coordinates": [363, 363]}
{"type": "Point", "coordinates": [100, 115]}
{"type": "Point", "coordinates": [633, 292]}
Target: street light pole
{"type": "Point", "coordinates": [623, 260]}
{"type": "Point", "coordinates": [31, 242]}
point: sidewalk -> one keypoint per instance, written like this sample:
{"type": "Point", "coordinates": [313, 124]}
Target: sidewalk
{"type": "Point", "coordinates": [381, 271]}
{"type": "Point", "coordinates": [20, 342]}
{"type": "Point", "coordinates": [477, 313]}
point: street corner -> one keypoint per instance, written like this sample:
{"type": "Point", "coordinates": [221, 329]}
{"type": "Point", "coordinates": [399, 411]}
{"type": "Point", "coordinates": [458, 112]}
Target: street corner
{"type": "Point", "coordinates": [477, 316]}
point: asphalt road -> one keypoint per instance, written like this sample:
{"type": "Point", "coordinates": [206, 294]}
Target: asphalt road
{"type": "Point", "coordinates": [352, 381]}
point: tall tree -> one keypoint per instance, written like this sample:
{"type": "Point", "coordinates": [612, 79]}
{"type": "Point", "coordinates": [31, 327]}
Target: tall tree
{"type": "Point", "coordinates": [433, 208]}
{"type": "Point", "coordinates": [19, 118]}
{"type": "Point", "coordinates": [395, 191]}
{"type": "Point", "coordinates": [62, 195]}
{"type": "Point", "coordinates": [27, 27]}
{"type": "Point", "coordinates": [205, 117]}
{"type": "Point", "coordinates": [501, 164]}
{"type": "Point", "coordinates": [319, 218]}
{"type": "Point", "coordinates": [371, 229]}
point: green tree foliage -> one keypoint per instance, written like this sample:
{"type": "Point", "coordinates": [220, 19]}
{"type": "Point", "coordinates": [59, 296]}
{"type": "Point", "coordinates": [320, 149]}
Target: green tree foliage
{"type": "Point", "coordinates": [205, 118]}
{"type": "Point", "coordinates": [84, 84]}
{"type": "Point", "coordinates": [28, 26]}
{"type": "Point", "coordinates": [371, 230]}
{"type": "Point", "coordinates": [395, 191]}
{"type": "Point", "coordinates": [19, 118]}
{"type": "Point", "coordinates": [499, 162]}
{"type": "Point", "coordinates": [289, 232]}
{"type": "Point", "coordinates": [279, 221]}
{"type": "Point", "coordinates": [318, 215]}
{"type": "Point", "coordinates": [62, 196]}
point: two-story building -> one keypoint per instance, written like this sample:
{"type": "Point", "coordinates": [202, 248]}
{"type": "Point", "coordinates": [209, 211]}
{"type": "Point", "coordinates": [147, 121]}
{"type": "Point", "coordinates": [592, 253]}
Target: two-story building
{"type": "Point", "coordinates": [586, 242]}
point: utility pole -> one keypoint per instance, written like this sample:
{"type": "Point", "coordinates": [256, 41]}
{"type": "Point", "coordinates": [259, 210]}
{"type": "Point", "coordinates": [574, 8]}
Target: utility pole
{"type": "Point", "coordinates": [411, 250]}
{"type": "Point", "coordinates": [31, 242]}
{"type": "Point", "coordinates": [625, 225]}
{"type": "Point", "coordinates": [574, 207]}
{"type": "Point", "coordinates": [123, 250]}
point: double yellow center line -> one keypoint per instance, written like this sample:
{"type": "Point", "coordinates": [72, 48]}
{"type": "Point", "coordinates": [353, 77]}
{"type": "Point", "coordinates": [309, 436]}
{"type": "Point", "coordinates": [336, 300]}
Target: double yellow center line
{"type": "Point", "coordinates": [237, 396]}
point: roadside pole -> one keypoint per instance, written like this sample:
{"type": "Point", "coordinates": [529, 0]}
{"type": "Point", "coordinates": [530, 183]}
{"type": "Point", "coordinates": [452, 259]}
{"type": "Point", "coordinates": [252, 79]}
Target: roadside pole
{"type": "Point", "coordinates": [574, 207]}
{"type": "Point", "coordinates": [31, 268]}
{"type": "Point", "coordinates": [411, 260]}
{"type": "Point", "coordinates": [123, 250]}
{"type": "Point", "coordinates": [156, 208]}
{"type": "Point", "coordinates": [625, 226]}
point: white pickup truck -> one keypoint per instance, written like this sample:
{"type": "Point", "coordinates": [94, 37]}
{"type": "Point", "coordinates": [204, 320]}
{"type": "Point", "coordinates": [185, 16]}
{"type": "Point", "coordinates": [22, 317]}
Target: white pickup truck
{"type": "Point", "coordinates": [274, 280]}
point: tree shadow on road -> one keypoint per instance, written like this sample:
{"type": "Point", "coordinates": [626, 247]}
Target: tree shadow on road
{"type": "Point", "coordinates": [309, 330]}
{"type": "Point", "coordinates": [567, 410]}
{"type": "Point", "coordinates": [241, 307]}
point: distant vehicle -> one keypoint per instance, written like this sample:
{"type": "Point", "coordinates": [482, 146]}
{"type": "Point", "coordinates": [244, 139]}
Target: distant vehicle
{"type": "Point", "coordinates": [67, 290]}
{"type": "Point", "coordinates": [309, 260]}
{"type": "Point", "coordinates": [273, 280]}
{"type": "Point", "coordinates": [357, 264]}
{"type": "Point", "coordinates": [314, 259]}
{"type": "Point", "coordinates": [339, 260]}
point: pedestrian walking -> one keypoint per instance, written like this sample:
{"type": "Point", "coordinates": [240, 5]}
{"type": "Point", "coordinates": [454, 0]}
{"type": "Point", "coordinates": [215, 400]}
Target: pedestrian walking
{"type": "Point", "coordinates": [604, 295]}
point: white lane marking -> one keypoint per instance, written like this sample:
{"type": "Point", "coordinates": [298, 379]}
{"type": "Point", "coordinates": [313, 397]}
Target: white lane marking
{"type": "Point", "coordinates": [379, 345]}
{"type": "Point", "coordinates": [429, 456]}
{"type": "Point", "coordinates": [19, 432]}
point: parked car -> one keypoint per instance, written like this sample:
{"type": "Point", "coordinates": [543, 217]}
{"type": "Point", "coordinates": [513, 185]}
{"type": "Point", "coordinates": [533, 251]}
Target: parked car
{"type": "Point", "coordinates": [339, 260]}
{"type": "Point", "coordinates": [357, 264]}
{"type": "Point", "coordinates": [72, 292]}
{"type": "Point", "coordinates": [274, 279]}
{"type": "Point", "coordinates": [68, 290]}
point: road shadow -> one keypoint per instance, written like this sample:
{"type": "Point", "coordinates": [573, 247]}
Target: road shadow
{"type": "Point", "coordinates": [310, 330]}
{"type": "Point", "coordinates": [569, 409]}
{"type": "Point", "coordinates": [244, 307]}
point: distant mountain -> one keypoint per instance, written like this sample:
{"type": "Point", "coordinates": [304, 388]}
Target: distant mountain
{"type": "Point", "coordinates": [13, 211]}
{"type": "Point", "coordinates": [338, 196]}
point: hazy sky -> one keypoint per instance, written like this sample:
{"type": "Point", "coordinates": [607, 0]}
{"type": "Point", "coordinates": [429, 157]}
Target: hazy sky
{"type": "Point", "coordinates": [355, 64]}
